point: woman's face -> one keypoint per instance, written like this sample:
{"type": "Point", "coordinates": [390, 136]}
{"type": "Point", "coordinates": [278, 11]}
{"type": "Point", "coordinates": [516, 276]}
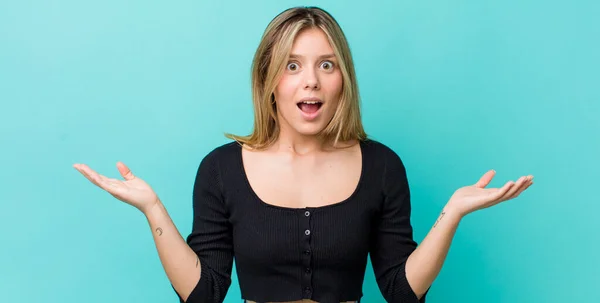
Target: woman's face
{"type": "Point", "coordinates": [308, 93]}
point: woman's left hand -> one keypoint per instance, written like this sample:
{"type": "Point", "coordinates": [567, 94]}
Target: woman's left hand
{"type": "Point", "coordinates": [468, 199]}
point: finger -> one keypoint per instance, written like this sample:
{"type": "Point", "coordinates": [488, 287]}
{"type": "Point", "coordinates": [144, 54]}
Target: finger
{"type": "Point", "coordinates": [94, 177]}
{"type": "Point", "coordinates": [485, 179]}
{"type": "Point", "coordinates": [522, 188]}
{"type": "Point", "coordinates": [125, 171]}
{"type": "Point", "coordinates": [497, 194]}
{"type": "Point", "coordinates": [88, 173]}
{"type": "Point", "coordinates": [513, 192]}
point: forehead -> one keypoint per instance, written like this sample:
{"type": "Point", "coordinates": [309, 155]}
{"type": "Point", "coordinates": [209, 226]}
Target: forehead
{"type": "Point", "coordinates": [311, 41]}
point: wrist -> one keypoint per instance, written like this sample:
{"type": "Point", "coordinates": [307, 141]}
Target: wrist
{"type": "Point", "coordinates": [153, 209]}
{"type": "Point", "coordinates": [453, 212]}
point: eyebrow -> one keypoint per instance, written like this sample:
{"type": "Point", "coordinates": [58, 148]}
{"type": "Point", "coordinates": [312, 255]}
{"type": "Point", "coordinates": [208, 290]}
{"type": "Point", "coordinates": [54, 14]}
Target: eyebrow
{"type": "Point", "coordinates": [320, 57]}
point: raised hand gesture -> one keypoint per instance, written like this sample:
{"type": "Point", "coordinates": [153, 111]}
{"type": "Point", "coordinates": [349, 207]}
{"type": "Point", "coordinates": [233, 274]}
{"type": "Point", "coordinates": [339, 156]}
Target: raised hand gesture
{"type": "Point", "coordinates": [470, 198]}
{"type": "Point", "coordinates": [132, 190]}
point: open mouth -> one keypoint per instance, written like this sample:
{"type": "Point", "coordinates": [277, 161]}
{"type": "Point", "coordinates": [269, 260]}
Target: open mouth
{"type": "Point", "coordinates": [309, 107]}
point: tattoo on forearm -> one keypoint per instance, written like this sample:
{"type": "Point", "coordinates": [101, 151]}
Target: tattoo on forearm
{"type": "Point", "coordinates": [159, 231]}
{"type": "Point", "coordinates": [439, 219]}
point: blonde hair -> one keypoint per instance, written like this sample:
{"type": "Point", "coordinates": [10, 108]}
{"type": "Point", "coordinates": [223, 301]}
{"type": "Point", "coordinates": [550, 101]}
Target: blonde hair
{"type": "Point", "coordinates": [269, 62]}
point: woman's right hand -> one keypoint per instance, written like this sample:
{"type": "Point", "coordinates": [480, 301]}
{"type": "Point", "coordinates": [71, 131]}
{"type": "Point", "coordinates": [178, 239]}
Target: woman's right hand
{"type": "Point", "coordinates": [133, 190]}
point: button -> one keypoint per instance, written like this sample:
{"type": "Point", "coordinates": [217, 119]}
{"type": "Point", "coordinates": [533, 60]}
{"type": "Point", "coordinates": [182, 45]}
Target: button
{"type": "Point", "coordinates": [307, 252]}
{"type": "Point", "coordinates": [307, 232]}
{"type": "Point", "coordinates": [307, 213]}
{"type": "Point", "coordinates": [307, 270]}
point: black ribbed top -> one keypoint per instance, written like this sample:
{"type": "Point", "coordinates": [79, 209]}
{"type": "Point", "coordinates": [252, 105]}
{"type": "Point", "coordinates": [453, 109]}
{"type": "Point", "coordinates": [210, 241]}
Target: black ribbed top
{"type": "Point", "coordinates": [288, 254]}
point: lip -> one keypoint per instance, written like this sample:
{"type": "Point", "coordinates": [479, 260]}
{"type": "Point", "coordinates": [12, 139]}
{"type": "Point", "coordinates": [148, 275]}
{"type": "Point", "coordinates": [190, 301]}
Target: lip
{"type": "Point", "coordinates": [310, 99]}
{"type": "Point", "coordinates": [310, 116]}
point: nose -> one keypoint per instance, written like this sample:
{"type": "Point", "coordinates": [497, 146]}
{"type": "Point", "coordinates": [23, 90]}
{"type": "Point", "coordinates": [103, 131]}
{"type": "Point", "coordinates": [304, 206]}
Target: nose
{"type": "Point", "coordinates": [311, 80]}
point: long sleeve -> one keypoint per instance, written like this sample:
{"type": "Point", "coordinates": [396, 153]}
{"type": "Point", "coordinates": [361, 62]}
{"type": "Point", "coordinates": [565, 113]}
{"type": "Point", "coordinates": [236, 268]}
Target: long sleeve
{"type": "Point", "coordinates": [211, 236]}
{"type": "Point", "coordinates": [393, 235]}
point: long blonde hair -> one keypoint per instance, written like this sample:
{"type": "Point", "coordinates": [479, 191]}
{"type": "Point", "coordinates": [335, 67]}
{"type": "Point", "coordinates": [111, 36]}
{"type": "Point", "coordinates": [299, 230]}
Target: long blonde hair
{"type": "Point", "coordinates": [268, 65]}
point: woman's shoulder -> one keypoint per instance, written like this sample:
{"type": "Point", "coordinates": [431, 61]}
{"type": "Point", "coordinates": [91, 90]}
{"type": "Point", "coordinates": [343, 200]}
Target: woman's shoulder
{"type": "Point", "coordinates": [222, 154]}
{"type": "Point", "coordinates": [378, 149]}
{"type": "Point", "coordinates": [383, 157]}
{"type": "Point", "coordinates": [227, 148]}
{"type": "Point", "coordinates": [386, 162]}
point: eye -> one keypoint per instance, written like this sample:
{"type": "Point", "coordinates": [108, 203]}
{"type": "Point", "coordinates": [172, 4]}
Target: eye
{"type": "Point", "coordinates": [327, 65]}
{"type": "Point", "coordinates": [292, 66]}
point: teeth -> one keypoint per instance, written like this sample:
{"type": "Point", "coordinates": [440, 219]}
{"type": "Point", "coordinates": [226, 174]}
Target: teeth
{"type": "Point", "coordinates": [310, 102]}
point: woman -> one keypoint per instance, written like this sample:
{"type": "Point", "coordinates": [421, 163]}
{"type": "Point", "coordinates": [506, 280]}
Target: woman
{"type": "Point", "coordinates": [305, 198]}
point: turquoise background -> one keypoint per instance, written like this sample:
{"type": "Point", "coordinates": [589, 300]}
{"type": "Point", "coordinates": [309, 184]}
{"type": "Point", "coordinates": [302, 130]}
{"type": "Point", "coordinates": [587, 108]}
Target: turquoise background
{"type": "Point", "coordinates": [455, 87]}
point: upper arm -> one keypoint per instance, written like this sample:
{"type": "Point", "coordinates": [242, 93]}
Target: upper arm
{"type": "Point", "coordinates": [211, 236]}
{"type": "Point", "coordinates": [393, 234]}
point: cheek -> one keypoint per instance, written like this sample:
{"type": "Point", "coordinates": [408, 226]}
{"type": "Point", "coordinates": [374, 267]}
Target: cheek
{"type": "Point", "coordinates": [285, 88]}
{"type": "Point", "coordinates": [335, 85]}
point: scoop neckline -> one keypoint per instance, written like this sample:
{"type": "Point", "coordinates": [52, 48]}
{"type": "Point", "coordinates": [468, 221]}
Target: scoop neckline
{"type": "Point", "coordinates": [357, 188]}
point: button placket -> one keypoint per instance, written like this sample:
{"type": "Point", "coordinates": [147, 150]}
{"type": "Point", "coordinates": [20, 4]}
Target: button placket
{"type": "Point", "coordinates": [306, 253]}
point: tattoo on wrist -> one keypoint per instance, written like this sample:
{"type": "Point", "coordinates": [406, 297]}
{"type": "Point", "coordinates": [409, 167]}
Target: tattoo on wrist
{"type": "Point", "coordinates": [159, 231]}
{"type": "Point", "coordinates": [439, 219]}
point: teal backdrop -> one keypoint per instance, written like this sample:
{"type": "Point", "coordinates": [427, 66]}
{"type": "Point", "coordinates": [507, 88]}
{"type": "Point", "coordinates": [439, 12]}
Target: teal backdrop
{"type": "Point", "coordinates": [454, 87]}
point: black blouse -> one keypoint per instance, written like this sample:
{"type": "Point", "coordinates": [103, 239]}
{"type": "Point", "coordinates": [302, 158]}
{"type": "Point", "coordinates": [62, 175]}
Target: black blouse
{"type": "Point", "coordinates": [288, 254]}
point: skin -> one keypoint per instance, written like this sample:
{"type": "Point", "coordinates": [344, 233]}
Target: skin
{"type": "Point", "coordinates": [295, 159]}
{"type": "Point", "coordinates": [312, 71]}
{"type": "Point", "coordinates": [298, 159]}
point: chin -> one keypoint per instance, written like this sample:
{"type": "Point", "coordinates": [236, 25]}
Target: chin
{"type": "Point", "coordinates": [309, 130]}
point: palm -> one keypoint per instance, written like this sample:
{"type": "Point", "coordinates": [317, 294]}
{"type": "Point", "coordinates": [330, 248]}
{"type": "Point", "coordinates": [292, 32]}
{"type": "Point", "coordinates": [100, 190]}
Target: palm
{"type": "Point", "coordinates": [131, 190]}
{"type": "Point", "coordinates": [474, 197]}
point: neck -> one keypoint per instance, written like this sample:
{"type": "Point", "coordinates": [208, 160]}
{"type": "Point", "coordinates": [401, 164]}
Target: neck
{"type": "Point", "coordinates": [300, 144]}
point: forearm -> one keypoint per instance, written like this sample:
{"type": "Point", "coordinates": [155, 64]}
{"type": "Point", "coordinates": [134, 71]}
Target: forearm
{"type": "Point", "coordinates": [425, 263]}
{"type": "Point", "coordinates": [179, 261]}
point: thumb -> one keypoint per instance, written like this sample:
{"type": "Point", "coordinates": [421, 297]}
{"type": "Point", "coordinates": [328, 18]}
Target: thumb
{"type": "Point", "coordinates": [125, 171]}
{"type": "Point", "coordinates": [485, 179]}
